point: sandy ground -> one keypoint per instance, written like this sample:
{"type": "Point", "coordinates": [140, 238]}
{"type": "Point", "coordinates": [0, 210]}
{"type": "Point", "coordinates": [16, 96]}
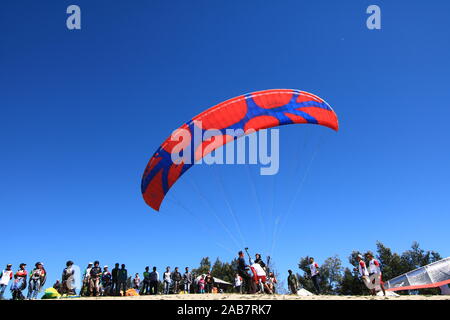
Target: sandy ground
{"type": "Point", "coordinates": [264, 297]}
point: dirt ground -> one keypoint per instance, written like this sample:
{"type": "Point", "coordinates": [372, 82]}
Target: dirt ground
{"type": "Point", "coordinates": [265, 297]}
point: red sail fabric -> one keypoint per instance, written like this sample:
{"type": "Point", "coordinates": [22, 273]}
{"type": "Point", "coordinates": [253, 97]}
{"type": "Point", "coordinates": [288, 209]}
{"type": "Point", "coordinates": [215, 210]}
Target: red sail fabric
{"type": "Point", "coordinates": [249, 113]}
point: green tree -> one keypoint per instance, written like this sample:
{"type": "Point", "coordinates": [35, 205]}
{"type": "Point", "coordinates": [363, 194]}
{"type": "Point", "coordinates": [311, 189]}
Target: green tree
{"type": "Point", "coordinates": [303, 278]}
{"type": "Point", "coordinates": [350, 283]}
{"type": "Point", "coordinates": [224, 271]}
{"type": "Point", "coordinates": [392, 264]}
{"type": "Point", "coordinates": [331, 275]}
{"type": "Point", "coordinates": [417, 257]}
{"type": "Point", "coordinates": [205, 266]}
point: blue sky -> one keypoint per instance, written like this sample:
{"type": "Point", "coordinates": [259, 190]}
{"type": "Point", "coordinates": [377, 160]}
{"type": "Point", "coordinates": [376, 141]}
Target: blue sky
{"type": "Point", "coordinates": [83, 111]}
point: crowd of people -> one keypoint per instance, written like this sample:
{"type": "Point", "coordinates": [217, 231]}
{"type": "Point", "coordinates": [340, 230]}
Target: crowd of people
{"type": "Point", "coordinates": [253, 277]}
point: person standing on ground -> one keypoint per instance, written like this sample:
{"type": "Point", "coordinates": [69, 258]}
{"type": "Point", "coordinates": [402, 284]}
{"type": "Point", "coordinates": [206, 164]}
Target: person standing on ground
{"type": "Point", "coordinates": [136, 281]}
{"type": "Point", "coordinates": [238, 283]}
{"type": "Point", "coordinates": [375, 274]}
{"type": "Point", "coordinates": [94, 279]}
{"type": "Point", "coordinates": [292, 282]}
{"type": "Point", "coordinates": [167, 279]}
{"type": "Point", "coordinates": [201, 284]}
{"type": "Point", "coordinates": [314, 268]}
{"type": "Point", "coordinates": [37, 279]}
{"type": "Point", "coordinates": [20, 282]}
{"type": "Point", "coordinates": [146, 282]}
{"type": "Point", "coordinates": [176, 278]}
{"type": "Point", "coordinates": [209, 280]}
{"type": "Point", "coordinates": [68, 279]}
{"type": "Point", "coordinates": [122, 276]}
{"type": "Point", "coordinates": [363, 272]}
{"type": "Point", "coordinates": [115, 279]}
{"type": "Point", "coordinates": [242, 271]}
{"type": "Point", "coordinates": [272, 282]}
{"type": "Point", "coordinates": [187, 280]}
{"type": "Point", "coordinates": [106, 281]}
{"type": "Point", "coordinates": [5, 277]}
{"type": "Point", "coordinates": [154, 279]}
{"type": "Point", "coordinates": [86, 281]}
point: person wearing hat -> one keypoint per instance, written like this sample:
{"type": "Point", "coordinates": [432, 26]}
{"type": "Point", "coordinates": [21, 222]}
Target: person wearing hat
{"type": "Point", "coordinates": [363, 272]}
{"type": "Point", "coordinates": [20, 282]}
{"type": "Point", "coordinates": [5, 277]}
{"type": "Point", "coordinates": [375, 274]}
{"type": "Point", "coordinates": [37, 280]}
{"type": "Point", "coordinates": [68, 279]}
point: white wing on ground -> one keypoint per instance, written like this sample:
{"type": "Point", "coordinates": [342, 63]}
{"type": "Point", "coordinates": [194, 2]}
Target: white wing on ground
{"type": "Point", "coordinates": [388, 294]}
{"type": "Point", "coordinates": [304, 293]}
{"type": "Point", "coordinates": [433, 275]}
{"type": "Point", "coordinates": [216, 280]}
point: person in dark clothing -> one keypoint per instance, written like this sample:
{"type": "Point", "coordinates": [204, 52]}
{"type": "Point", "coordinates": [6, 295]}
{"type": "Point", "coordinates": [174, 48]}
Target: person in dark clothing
{"type": "Point", "coordinates": [94, 279]}
{"type": "Point", "coordinates": [154, 279]}
{"type": "Point", "coordinates": [314, 268]}
{"type": "Point", "coordinates": [209, 281]}
{"type": "Point", "coordinates": [122, 276]}
{"type": "Point", "coordinates": [242, 271]}
{"type": "Point", "coordinates": [176, 278]}
{"type": "Point", "coordinates": [114, 279]}
{"type": "Point", "coordinates": [106, 282]}
{"type": "Point", "coordinates": [292, 282]}
{"type": "Point", "coordinates": [260, 261]}
{"type": "Point", "coordinates": [146, 281]}
{"type": "Point", "coordinates": [187, 279]}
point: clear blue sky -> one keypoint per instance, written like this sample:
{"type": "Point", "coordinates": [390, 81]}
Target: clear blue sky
{"type": "Point", "coordinates": [83, 111]}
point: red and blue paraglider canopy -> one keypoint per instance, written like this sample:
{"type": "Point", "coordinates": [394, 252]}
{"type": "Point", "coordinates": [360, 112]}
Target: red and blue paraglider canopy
{"type": "Point", "coordinates": [250, 112]}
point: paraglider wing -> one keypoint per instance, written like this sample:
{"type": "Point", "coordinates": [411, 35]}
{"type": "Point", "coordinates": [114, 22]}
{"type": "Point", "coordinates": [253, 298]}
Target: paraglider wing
{"type": "Point", "coordinates": [433, 275]}
{"type": "Point", "coordinates": [249, 113]}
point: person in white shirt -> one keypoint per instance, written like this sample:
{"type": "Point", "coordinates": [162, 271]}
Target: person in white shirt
{"type": "Point", "coordinates": [238, 284]}
{"type": "Point", "coordinates": [363, 272]}
{"type": "Point", "coordinates": [314, 268]}
{"type": "Point", "coordinates": [167, 280]}
{"type": "Point", "coordinates": [375, 274]}
{"type": "Point", "coordinates": [5, 277]}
